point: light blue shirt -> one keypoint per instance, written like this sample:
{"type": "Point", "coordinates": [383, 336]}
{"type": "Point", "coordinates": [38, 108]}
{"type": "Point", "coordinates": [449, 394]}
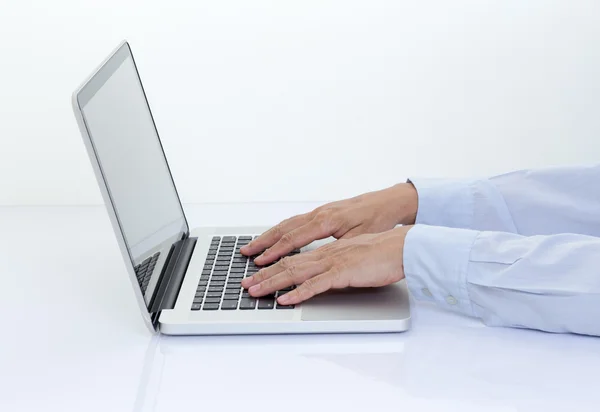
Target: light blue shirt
{"type": "Point", "coordinates": [519, 250]}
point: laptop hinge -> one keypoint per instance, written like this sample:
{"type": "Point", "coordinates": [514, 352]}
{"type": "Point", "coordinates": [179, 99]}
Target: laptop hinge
{"type": "Point", "coordinates": [173, 273]}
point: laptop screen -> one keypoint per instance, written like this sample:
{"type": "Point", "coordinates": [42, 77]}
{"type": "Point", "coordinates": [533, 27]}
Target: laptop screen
{"type": "Point", "coordinates": [131, 158]}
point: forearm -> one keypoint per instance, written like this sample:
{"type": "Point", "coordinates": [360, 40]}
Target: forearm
{"type": "Point", "coordinates": [527, 202]}
{"type": "Point", "coordinates": [549, 283]}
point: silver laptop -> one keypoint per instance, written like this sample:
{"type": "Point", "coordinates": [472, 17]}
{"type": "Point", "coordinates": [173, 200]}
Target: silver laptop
{"type": "Point", "coordinates": [187, 282]}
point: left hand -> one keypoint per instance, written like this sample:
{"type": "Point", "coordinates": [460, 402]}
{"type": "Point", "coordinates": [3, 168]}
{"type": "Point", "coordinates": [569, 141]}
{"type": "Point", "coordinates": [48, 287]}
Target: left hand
{"type": "Point", "coordinates": [368, 260]}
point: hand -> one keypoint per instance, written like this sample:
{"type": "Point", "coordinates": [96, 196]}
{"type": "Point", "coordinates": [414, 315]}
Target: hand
{"type": "Point", "coordinates": [367, 260]}
{"type": "Point", "coordinates": [372, 212]}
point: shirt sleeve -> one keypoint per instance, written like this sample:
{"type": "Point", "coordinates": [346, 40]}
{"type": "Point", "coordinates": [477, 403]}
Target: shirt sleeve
{"type": "Point", "coordinates": [527, 202]}
{"type": "Point", "coordinates": [549, 283]}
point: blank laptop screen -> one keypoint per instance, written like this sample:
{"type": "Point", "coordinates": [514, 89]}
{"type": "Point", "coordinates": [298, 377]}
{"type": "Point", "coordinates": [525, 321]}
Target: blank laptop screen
{"type": "Point", "coordinates": [120, 124]}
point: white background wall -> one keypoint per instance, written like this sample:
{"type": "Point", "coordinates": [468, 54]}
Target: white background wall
{"type": "Point", "coordinates": [305, 100]}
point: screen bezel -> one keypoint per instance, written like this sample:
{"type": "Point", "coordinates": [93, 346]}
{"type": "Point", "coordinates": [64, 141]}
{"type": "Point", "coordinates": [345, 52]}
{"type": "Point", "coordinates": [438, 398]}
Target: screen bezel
{"type": "Point", "coordinates": [81, 98]}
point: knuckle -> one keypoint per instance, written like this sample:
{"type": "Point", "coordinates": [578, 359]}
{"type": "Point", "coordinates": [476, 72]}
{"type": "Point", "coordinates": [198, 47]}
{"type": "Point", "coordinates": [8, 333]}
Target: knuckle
{"type": "Point", "coordinates": [326, 220]}
{"type": "Point", "coordinates": [291, 273]}
{"type": "Point", "coordinates": [308, 287]}
{"type": "Point", "coordinates": [287, 239]}
{"type": "Point", "coordinates": [285, 262]}
{"type": "Point", "coordinates": [278, 230]}
{"type": "Point", "coordinates": [259, 276]}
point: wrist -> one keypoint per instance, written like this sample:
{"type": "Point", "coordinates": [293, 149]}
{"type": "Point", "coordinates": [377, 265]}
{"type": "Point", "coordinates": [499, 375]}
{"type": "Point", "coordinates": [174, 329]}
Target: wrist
{"type": "Point", "coordinates": [405, 203]}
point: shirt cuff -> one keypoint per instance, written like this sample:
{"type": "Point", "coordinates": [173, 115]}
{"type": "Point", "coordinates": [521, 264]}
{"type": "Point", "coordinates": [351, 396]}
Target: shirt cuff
{"type": "Point", "coordinates": [436, 261]}
{"type": "Point", "coordinates": [444, 202]}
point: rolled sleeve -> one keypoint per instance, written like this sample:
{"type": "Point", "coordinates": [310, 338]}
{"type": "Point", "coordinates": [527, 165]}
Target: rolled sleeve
{"type": "Point", "coordinates": [436, 261]}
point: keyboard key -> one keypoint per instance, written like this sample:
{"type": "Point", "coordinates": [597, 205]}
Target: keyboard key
{"type": "Point", "coordinates": [206, 272]}
{"type": "Point", "coordinates": [228, 238]}
{"type": "Point", "coordinates": [203, 283]}
{"type": "Point", "coordinates": [201, 290]}
{"type": "Point", "coordinates": [204, 278]}
{"type": "Point", "coordinates": [217, 283]}
{"type": "Point", "coordinates": [214, 294]}
{"type": "Point", "coordinates": [266, 303]}
{"type": "Point", "coordinates": [198, 300]}
{"type": "Point", "coordinates": [217, 279]}
{"type": "Point", "coordinates": [229, 305]}
{"type": "Point", "coordinates": [237, 270]}
{"type": "Point", "coordinates": [207, 267]}
{"type": "Point", "coordinates": [210, 306]}
{"type": "Point", "coordinates": [212, 300]}
{"type": "Point", "coordinates": [240, 259]}
{"type": "Point", "coordinates": [236, 276]}
{"type": "Point", "coordinates": [231, 296]}
{"type": "Point", "coordinates": [238, 265]}
{"type": "Point", "coordinates": [284, 306]}
{"type": "Point", "coordinates": [247, 238]}
{"type": "Point", "coordinates": [248, 303]}
{"type": "Point", "coordinates": [215, 238]}
{"type": "Point", "coordinates": [220, 273]}
{"type": "Point", "coordinates": [222, 267]}
{"type": "Point", "coordinates": [196, 306]}
{"type": "Point", "coordinates": [213, 288]}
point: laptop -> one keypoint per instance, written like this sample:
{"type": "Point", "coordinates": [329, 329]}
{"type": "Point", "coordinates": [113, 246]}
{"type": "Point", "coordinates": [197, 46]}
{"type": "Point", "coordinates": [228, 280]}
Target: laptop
{"type": "Point", "coordinates": [188, 281]}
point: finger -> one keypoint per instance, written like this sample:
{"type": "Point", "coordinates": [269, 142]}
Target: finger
{"type": "Point", "coordinates": [293, 275]}
{"type": "Point", "coordinates": [283, 264]}
{"type": "Point", "coordinates": [271, 236]}
{"type": "Point", "coordinates": [308, 289]}
{"type": "Point", "coordinates": [292, 240]}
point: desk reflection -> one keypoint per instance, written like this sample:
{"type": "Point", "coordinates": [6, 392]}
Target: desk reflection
{"type": "Point", "coordinates": [428, 368]}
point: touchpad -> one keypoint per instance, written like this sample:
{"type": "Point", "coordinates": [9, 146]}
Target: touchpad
{"type": "Point", "coordinates": [385, 303]}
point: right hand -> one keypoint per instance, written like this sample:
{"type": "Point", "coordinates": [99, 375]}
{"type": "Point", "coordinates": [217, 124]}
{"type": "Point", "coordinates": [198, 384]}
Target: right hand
{"type": "Point", "coordinates": [372, 212]}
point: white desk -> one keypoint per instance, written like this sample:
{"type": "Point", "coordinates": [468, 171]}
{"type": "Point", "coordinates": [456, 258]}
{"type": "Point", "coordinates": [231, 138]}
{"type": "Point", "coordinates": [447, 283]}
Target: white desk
{"type": "Point", "coordinates": [73, 340]}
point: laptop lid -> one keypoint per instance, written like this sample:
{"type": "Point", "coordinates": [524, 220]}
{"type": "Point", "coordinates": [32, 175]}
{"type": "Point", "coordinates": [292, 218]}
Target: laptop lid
{"type": "Point", "coordinates": [131, 169]}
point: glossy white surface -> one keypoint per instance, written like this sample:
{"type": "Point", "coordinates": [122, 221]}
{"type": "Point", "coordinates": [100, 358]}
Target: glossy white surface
{"type": "Point", "coordinates": [73, 340]}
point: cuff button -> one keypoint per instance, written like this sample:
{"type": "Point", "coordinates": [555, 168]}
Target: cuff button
{"type": "Point", "coordinates": [451, 300]}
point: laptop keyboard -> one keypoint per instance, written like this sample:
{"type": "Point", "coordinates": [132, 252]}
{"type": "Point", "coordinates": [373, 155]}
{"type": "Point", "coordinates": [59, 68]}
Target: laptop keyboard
{"type": "Point", "coordinates": [144, 270]}
{"type": "Point", "coordinates": [220, 286]}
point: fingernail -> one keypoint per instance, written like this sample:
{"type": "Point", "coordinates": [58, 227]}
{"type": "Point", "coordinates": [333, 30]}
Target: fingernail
{"type": "Point", "coordinates": [284, 299]}
{"type": "Point", "coordinates": [254, 288]}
